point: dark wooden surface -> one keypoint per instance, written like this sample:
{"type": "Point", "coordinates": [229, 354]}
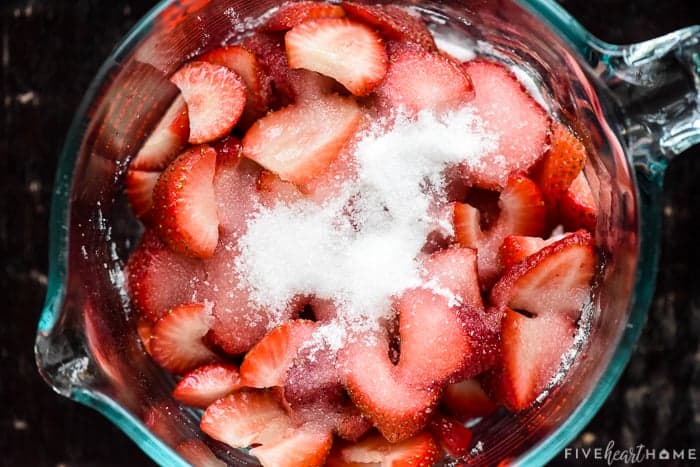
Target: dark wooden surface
{"type": "Point", "coordinates": [50, 50]}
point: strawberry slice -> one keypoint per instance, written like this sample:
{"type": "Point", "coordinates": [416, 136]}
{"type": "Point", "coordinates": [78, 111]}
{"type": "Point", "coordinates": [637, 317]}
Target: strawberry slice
{"type": "Point", "coordinates": [196, 452]}
{"type": "Point", "coordinates": [352, 424]}
{"type": "Point", "coordinates": [453, 436]}
{"type": "Point", "coordinates": [207, 384]}
{"type": "Point", "coordinates": [266, 364]}
{"type": "Point", "coordinates": [177, 343]}
{"type": "Point", "coordinates": [215, 97]}
{"type": "Point", "coordinates": [272, 57]}
{"type": "Point", "coordinates": [235, 190]}
{"type": "Point", "coordinates": [292, 14]}
{"type": "Point", "coordinates": [184, 203]}
{"type": "Point", "coordinates": [420, 80]}
{"type": "Point", "coordinates": [305, 446]}
{"type": "Point", "coordinates": [578, 208]}
{"type": "Point", "coordinates": [420, 450]}
{"type": "Point", "coordinates": [454, 271]}
{"type": "Point", "coordinates": [298, 142]}
{"type": "Point", "coordinates": [347, 51]}
{"type": "Point", "coordinates": [393, 22]}
{"type": "Point", "coordinates": [531, 354]}
{"type": "Point", "coordinates": [561, 164]}
{"type": "Point", "coordinates": [508, 112]}
{"type": "Point", "coordinates": [138, 186]}
{"type": "Point", "coordinates": [245, 418]}
{"type": "Point", "coordinates": [516, 248]}
{"type": "Point", "coordinates": [166, 141]}
{"type": "Point", "coordinates": [274, 190]}
{"type": "Point", "coordinates": [466, 400]}
{"type": "Point", "coordinates": [522, 212]}
{"type": "Point", "coordinates": [158, 279]}
{"type": "Point", "coordinates": [555, 280]}
{"type": "Point", "coordinates": [246, 66]}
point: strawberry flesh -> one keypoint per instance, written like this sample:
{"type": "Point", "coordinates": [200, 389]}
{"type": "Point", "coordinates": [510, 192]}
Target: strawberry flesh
{"type": "Point", "coordinates": [138, 186]}
{"type": "Point", "coordinates": [207, 384]}
{"type": "Point", "coordinates": [466, 400]}
{"type": "Point", "coordinates": [306, 446]}
{"type": "Point", "coordinates": [578, 208]}
{"type": "Point", "coordinates": [453, 436]}
{"type": "Point", "coordinates": [561, 164]}
{"type": "Point", "coordinates": [166, 141]}
{"type": "Point", "coordinates": [292, 14]}
{"type": "Point", "coordinates": [420, 450]}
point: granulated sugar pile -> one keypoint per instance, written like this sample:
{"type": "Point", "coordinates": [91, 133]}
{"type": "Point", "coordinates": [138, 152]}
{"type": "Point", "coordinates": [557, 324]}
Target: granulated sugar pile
{"type": "Point", "coordinates": [361, 248]}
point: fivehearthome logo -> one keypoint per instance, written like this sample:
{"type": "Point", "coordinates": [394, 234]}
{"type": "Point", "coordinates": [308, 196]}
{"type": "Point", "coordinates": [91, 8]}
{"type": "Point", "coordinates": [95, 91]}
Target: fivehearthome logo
{"type": "Point", "coordinates": [634, 455]}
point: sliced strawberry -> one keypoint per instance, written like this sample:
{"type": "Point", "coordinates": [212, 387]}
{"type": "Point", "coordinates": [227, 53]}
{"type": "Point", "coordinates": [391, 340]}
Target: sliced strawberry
{"type": "Point", "coordinates": [454, 271]}
{"type": "Point", "coordinates": [561, 164]}
{"type": "Point", "coordinates": [516, 248]}
{"type": "Point", "coordinates": [215, 97]}
{"type": "Point", "coordinates": [269, 49]}
{"type": "Point", "coordinates": [138, 186]}
{"type": "Point", "coordinates": [158, 279]}
{"type": "Point", "coordinates": [522, 212]}
{"type": "Point", "coordinates": [177, 343]}
{"type": "Point", "coordinates": [196, 452]}
{"type": "Point", "coordinates": [352, 424]}
{"type": "Point", "coordinates": [246, 66]}
{"type": "Point", "coordinates": [267, 362]}
{"type": "Point", "coordinates": [299, 142]}
{"type": "Point", "coordinates": [508, 112]}
{"type": "Point", "coordinates": [555, 280]}
{"type": "Point", "coordinates": [206, 384]}
{"type": "Point", "coordinates": [309, 85]}
{"type": "Point", "coordinates": [466, 400]}
{"type": "Point", "coordinates": [313, 379]}
{"type": "Point", "coordinates": [292, 14]}
{"type": "Point", "coordinates": [420, 80]}
{"type": "Point", "coordinates": [303, 446]}
{"type": "Point", "coordinates": [245, 418]}
{"type": "Point", "coordinates": [453, 436]}
{"type": "Point", "coordinates": [144, 328]}
{"type": "Point", "coordinates": [349, 52]}
{"type": "Point", "coordinates": [274, 190]}
{"type": "Point", "coordinates": [393, 22]}
{"type": "Point", "coordinates": [166, 141]}
{"type": "Point", "coordinates": [531, 354]}
{"type": "Point", "coordinates": [184, 203]}
{"type": "Point", "coordinates": [420, 450]}
{"type": "Point", "coordinates": [237, 198]}
{"type": "Point", "coordinates": [578, 208]}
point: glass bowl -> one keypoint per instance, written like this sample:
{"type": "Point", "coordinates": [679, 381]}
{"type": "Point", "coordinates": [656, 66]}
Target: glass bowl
{"type": "Point", "coordinates": [635, 107]}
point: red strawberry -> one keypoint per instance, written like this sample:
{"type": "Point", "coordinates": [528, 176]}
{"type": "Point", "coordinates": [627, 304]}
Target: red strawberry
{"type": "Point", "coordinates": [299, 142]}
{"type": "Point", "coordinates": [454, 269]}
{"type": "Point", "coordinates": [215, 99]}
{"type": "Point", "coordinates": [522, 212]}
{"type": "Point", "coordinates": [352, 424]}
{"type": "Point", "coordinates": [306, 446]}
{"type": "Point", "coordinates": [166, 141]}
{"type": "Point", "coordinates": [349, 52]}
{"type": "Point", "coordinates": [420, 80]}
{"type": "Point", "coordinates": [196, 452]}
{"type": "Point", "coordinates": [420, 451]}
{"type": "Point", "coordinates": [578, 208]}
{"type": "Point", "coordinates": [292, 14]}
{"type": "Point", "coordinates": [138, 186]}
{"type": "Point", "coordinates": [246, 66]}
{"type": "Point", "coordinates": [236, 195]}
{"type": "Point", "coordinates": [561, 164]}
{"type": "Point", "coordinates": [466, 400]}
{"type": "Point", "coordinates": [266, 364]}
{"type": "Point", "coordinates": [177, 343]}
{"type": "Point", "coordinates": [516, 248]}
{"type": "Point", "coordinates": [144, 328]}
{"type": "Point", "coordinates": [206, 384]}
{"type": "Point", "coordinates": [393, 22]}
{"type": "Point", "coordinates": [309, 85]}
{"type": "Point", "coordinates": [158, 279]}
{"type": "Point", "coordinates": [245, 418]}
{"type": "Point", "coordinates": [269, 49]}
{"type": "Point", "coordinates": [508, 112]}
{"type": "Point", "coordinates": [453, 436]}
{"type": "Point", "coordinates": [531, 354]}
{"type": "Point", "coordinates": [555, 280]}
{"type": "Point", "coordinates": [185, 205]}
{"type": "Point", "coordinates": [274, 190]}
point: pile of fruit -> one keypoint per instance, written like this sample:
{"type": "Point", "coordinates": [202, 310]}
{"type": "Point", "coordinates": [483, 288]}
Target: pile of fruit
{"type": "Point", "coordinates": [277, 123]}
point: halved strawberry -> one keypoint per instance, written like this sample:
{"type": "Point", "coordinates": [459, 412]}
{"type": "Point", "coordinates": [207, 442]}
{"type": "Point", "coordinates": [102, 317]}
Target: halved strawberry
{"type": "Point", "coordinates": [266, 364]}
{"type": "Point", "coordinates": [531, 354]}
{"type": "Point", "coordinates": [561, 164]}
{"type": "Point", "coordinates": [245, 418]}
{"type": "Point", "coordinates": [578, 208]}
{"type": "Point", "coordinates": [421, 80]}
{"type": "Point", "coordinates": [516, 248]}
{"type": "Point", "coordinates": [522, 212]}
{"type": "Point", "coordinates": [454, 271]}
{"type": "Point", "coordinates": [347, 51]}
{"type": "Point", "coordinates": [453, 436]}
{"type": "Point", "coordinates": [555, 280]}
{"type": "Point", "coordinates": [206, 384]}
{"type": "Point", "coordinates": [393, 22]}
{"type": "Point", "coordinates": [294, 13]}
{"type": "Point", "coordinates": [177, 343]}
{"type": "Point", "coordinates": [274, 190]}
{"type": "Point", "coordinates": [138, 186]}
{"type": "Point", "coordinates": [257, 83]}
{"type": "Point", "coordinates": [196, 452]}
{"type": "Point", "coordinates": [166, 141]}
{"type": "Point", "coordinates": [352, 424]}
{"type": "Point", "coordinates": [420, 450]}
{"type": "Point", "coordinates": [215, 99]}
{"type": "Point", "coordinates": [158, 279]}
{"type": "Point", "coordinates": [185, 205]}
{"type": "Point", "coordinates": [508, 112]}
{"type": "Point", "coordinates": [299, 142]}
{"type": "Point", "coordinates": [466, 400]}
{"type": "Point", "coordinates": [309, 85]}
{"type": "Point", "coordinates": [305, 446]}
{"type": "Point", "coordinates": [269, 49]}
{"type": "Point", "coordinates": [237, 198]}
